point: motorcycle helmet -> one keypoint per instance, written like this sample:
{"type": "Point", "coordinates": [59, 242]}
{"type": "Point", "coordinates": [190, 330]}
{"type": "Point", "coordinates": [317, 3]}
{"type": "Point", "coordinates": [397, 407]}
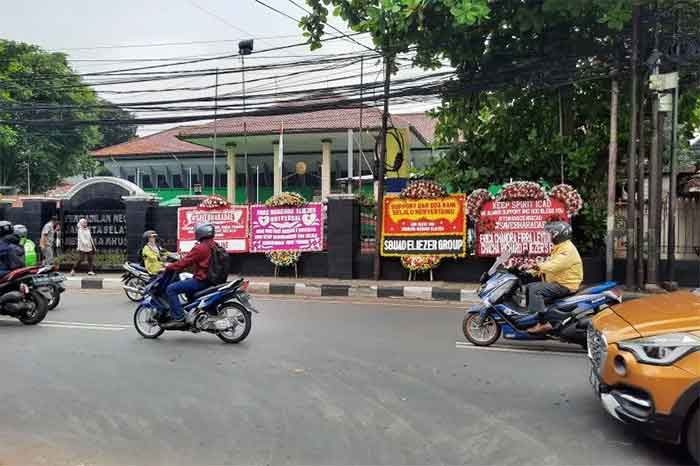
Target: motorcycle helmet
{"type": "Point", "coordinates": [5, 228]}
{"type": "Point", "coordinates": [20, 231]}
{"type": "Point", "coordinates": [148, 233]}
{"type": "Point", "coordinates": [204, 231]}
{"type": "Point", "coordinates": [559, 231]}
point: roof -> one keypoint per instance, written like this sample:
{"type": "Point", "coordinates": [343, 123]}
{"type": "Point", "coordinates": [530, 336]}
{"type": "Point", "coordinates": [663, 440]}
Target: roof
{"type": "Point", "coordinates": [422, 122]}
{"type": "Point", "coordinates": [339, 119]}
{"type": "Point", "coordinates": [164, 142]}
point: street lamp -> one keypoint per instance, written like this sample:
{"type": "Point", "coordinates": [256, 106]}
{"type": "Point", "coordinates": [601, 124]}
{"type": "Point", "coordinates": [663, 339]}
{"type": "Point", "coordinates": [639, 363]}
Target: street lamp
{"type": "Point", "coordinates": [245, 47]}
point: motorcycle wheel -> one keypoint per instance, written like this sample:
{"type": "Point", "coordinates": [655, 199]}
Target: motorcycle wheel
{"type": "Point", "coordinates": [245, 322]}
{"type": "Point", "coordinates": [55, 298]}
{"type": "Point", "coordinates": [39, 309]}
{"type": "Point", "coordinates": [481, 335]}
{"type": "Point", "coordinates": [134, 282]}
{"type": "Point", "coordinates": [146, 324]}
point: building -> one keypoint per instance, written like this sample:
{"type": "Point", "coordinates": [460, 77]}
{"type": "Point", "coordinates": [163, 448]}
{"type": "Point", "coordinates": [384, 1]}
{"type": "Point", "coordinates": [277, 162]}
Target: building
{"type": "Point", "coordinates": [316, 148]}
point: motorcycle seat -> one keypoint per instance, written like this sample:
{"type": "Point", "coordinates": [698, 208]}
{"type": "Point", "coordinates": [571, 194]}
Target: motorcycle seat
{"type": "Point", "coordinates": [212, 289]}
{"type": "Point", "coordinates": [571, 303]}
{"type": "Point", "coordinates": [16, 273]}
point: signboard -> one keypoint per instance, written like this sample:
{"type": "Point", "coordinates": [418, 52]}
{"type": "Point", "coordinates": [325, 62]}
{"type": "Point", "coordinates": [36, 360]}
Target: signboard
{"type": "Point", "coordinates": [108, 229]}
{"type": "Point", "coordinates": [424, 226]}
{"type": "Point", "coordinates": [230, 223]}
{"type": "Point", "coordinates": [663, 82]}
{"type": "Point", "coordinates": [517, 226]}
{"type": "Point", "coordinates": [286, 228]}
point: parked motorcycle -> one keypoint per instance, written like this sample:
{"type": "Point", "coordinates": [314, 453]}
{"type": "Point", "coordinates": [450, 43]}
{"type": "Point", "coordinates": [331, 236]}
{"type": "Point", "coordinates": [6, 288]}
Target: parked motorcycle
{"type": "Point", "coordinates": [504, 312]}
{"type": "Point", "coordinates": [224, 310]}
{"type": "Point", "coordinates": [21, 297]}
{"type": "Point", "coordinates": [53, 285]}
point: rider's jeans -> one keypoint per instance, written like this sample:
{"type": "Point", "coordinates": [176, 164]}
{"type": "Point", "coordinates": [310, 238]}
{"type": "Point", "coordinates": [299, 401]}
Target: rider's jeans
{"type": "Point", "coordinates": [538, 293]}
{"type": "Point", "coordinates": [188, 287]}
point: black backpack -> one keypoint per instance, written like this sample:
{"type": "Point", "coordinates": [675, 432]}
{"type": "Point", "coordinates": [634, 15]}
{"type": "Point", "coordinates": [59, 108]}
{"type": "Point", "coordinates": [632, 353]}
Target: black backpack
{"type": "Point", "coordinates": [217, 273]}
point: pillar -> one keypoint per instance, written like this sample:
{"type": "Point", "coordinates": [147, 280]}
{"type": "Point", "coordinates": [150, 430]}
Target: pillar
{"type": "Point", "coordinates": [136, 215]}
{"type": "Point", "coordinates": [276, 168]}
{"type": "Point", "coordinates": [343, 235]}
{"type": "Point", "coordinates": [231, 172]}
{"type": "Point", "coordinates": [325, 168]}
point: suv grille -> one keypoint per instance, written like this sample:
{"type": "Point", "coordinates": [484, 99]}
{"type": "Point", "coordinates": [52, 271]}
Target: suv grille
{"type": "Point", "coordinates": [597, 348]}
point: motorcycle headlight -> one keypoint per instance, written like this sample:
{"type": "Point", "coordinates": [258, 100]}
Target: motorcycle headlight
{"type": "Point", "coordinates": [661, 349]}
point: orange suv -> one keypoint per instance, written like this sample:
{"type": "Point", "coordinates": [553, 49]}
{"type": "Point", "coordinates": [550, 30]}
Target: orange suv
{"type": "Point", "coordinates": [645, 365]}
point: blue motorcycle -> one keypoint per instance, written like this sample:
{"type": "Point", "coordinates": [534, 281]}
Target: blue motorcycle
{"type": "Point", "coordinates": [223, 310]}
{"type": "Point", "coordinates": [503, 310]}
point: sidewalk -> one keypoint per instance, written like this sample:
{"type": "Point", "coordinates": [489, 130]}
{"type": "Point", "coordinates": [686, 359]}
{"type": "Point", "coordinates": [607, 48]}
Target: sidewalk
{"type": "Point", "coordinates": [437, 291]}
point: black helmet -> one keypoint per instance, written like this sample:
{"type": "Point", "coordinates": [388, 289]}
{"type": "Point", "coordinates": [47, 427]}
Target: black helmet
{"type": "Point", "coordinates": [148, 233]}
{"type": "Point", "coordinates": [559, 231]}
{"type": "Point", "coordinates": [5, 228]}
{"type": "Point", "coordinates": [20, 231]}
{"type": "Point", "coordinates": [204, 231]}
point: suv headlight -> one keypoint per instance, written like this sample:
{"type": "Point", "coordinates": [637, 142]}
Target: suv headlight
{"type": "Point", "coordinates": [661, 349]}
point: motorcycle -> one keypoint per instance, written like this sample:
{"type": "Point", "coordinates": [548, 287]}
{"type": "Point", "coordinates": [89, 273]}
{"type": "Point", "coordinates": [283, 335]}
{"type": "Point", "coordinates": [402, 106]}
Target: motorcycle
{"type": "Point", "coordinates": [53, 285]}
{"type": "Point", "coordinates": [223, 310]}
{"type": "Point", "coordinates": [136, 277]}
{"type": "Point", "coordinates": [503, 311]}
{"type": "Point", "coordinates": [21, 296]}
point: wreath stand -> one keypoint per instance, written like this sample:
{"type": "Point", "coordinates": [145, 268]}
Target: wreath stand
{"type": "Point", "coordinates": [296, 270]}
{"type": "Point", "coordinates": [412, 274]}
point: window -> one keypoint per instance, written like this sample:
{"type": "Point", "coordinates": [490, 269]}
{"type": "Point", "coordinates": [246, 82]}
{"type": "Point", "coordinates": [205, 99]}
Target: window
{"type": "Point", "coordinates": [207, 181]}
{"type": "Point", "coordinates": [162, 181]}
{"type": "Point", "coordinates": [177, 181]}
{"type": "Point", "coordinates": [146, 181]}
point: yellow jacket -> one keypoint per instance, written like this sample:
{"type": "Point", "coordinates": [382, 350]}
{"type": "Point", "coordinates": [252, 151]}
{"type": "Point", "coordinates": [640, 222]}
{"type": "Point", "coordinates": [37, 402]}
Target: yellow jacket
{"type": "Point", "coordinates": [151, 260]}
{"type": "Point", "coordinates": [564, 266]}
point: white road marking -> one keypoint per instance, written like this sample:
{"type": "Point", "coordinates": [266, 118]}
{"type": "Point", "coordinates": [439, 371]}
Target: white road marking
{"type": "Point", "coordinates": [463, 345]}
{"type": "Point", "coordinates": [84, 326]}
{"type": "Point", "coordinates": [85, 323]}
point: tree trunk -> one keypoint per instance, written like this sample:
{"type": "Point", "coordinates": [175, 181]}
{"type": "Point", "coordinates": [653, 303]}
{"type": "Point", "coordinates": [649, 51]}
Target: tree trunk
{"type": "Point", "coordinates": [631, 217]}
{"type": "Point", "coordinates": [612, 179]}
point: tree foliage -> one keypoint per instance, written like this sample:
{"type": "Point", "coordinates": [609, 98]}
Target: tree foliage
{"type": "Point", "coordinates": [31, 78]}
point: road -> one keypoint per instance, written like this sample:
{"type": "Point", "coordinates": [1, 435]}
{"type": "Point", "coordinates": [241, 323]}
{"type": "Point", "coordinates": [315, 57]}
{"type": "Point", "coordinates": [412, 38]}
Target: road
{"type": "Point", "coordinates": [318, 381]}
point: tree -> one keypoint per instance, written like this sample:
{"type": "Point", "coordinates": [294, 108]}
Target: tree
{"type": "Point", "coordinates": [31, 81]}
{"type": "Point", "coordinates": [114, 134]}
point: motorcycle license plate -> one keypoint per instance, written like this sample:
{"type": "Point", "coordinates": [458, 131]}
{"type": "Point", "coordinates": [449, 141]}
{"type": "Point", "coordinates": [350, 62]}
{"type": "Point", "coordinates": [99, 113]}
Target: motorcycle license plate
{"type": "Point", "coordinates": [42, 281]}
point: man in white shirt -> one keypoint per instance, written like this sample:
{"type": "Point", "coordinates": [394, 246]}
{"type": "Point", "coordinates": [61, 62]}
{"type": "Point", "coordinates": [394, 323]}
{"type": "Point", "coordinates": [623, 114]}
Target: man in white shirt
{"type": "Point", "coordinates": [48, 239]}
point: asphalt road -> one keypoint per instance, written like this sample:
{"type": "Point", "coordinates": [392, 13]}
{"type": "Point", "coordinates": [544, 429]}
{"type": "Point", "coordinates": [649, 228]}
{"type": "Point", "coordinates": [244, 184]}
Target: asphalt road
{"type": "Point", "coordinates": [318, 381]}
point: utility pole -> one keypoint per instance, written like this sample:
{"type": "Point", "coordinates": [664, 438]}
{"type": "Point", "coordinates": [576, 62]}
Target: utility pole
{"type": "Point", "coordinates": [673, 180]}
{"type": "Point", "coordinates": [631, 217]}
{"type": "Point", "coordinates": [245, 47]}
{"type": "Point", "coordinates": [641, 180]}
{"type": "Point", "coordinates": [380, 169]}
{"type": "Point", "coordinates": [655, 164]}
{"type": "Point", "coordinates": [612, 178]}
{"type": "Point", "coordinates": [362, 106]}
{"type": "Point", "coordinates": [216, 110]}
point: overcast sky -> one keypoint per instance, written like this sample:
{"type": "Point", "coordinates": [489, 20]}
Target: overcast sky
{"type": "Point", "coordinates": [92, 32]}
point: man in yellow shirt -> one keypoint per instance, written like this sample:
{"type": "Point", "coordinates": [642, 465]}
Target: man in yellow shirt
{"type": "Point", "coordinates": [562, 274]}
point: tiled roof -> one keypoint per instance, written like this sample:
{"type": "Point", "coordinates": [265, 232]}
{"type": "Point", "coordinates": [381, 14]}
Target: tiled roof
{"type": "Point", "coordinates": [423, 123]}
{"type": "Point", "coordinates": [164, 142]}
{"type": "Point", "coordinates": [323, 120]}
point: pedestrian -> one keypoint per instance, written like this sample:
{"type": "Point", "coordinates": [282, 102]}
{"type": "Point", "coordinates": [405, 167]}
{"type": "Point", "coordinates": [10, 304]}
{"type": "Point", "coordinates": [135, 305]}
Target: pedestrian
{"type": "Point", "coordinates": [86, 247]}
{"type": "Point", "coordinates": [48, 240]}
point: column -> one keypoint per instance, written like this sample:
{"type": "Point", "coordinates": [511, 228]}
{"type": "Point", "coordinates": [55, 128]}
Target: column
{"type": "Point", "coordinates": [325, 168]}
{"type": "Point", "coordinates": [231, 172]}
{"type": "Point", "coordinates": [276, 168]}
{"type": "Point", "coordinates": [136, 214]}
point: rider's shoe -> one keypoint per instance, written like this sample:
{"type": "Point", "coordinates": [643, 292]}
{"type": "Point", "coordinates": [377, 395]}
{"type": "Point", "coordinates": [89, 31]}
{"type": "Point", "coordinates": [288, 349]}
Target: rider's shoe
{"type": "Point", "coordinates": [540, 328]}
{"type": "Point", "coordinates": [174, 325]}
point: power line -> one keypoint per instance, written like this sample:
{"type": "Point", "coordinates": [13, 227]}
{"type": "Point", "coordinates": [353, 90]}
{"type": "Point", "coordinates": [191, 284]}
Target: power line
{"type": "Point", "coordinates": [220, 18]}
{"type": "Point", "coordinates": [171, 44]}
{"type": "Point", "coordinates": [278, 11]}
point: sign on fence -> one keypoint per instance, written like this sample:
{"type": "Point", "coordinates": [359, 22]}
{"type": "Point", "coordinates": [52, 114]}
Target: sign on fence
{"type": "Point", "coordinates": [517, 226]}
{"type": "Point", "coordinates": [231, 224]}
{"type": "Point", "coordinates": [424, 226]}
{"type": "Point", "coordinates": [286, 228]}
{"type": "Point", "coordinates": [108, 229]}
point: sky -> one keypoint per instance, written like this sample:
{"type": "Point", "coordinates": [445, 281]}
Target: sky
{"type": "Point", "coordinates": [100, 35]}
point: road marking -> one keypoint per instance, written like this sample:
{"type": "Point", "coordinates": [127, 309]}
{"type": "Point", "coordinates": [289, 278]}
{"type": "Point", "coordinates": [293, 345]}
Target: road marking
{"type": "Point", "coordinates": [85, 323]}
{"type": "Point", "coordinates": [541, 351]}
{"type": "Point", "coordinates": [84, 327]}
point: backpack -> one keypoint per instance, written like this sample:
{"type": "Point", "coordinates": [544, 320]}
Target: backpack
{"type": "Point", "coordinates": [217, 272]}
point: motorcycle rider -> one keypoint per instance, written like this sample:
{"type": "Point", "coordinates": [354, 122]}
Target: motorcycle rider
{"type": "Point", "coordinates": [30, 255]}
{"type": "Point", "coordinates": [11, 253]}
{"type": "Point", "coordinates": [198, 258]}
{"type": "Point", "coordinates": [152, 253]}
{"type": "Point", "coordinates": [562, 275]}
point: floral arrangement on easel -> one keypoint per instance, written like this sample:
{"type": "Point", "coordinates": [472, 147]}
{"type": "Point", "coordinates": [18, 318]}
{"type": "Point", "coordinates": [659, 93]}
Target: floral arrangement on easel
{"type": "Point", "coordinates": [284, 199]}
{"type": "Point", "coordinates": [422, 189]}
{"type": "Point", "coordinates": [524, 190]}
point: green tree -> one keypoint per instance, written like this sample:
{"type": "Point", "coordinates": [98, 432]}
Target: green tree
{"type": "Point", "coordinates": [37, 85]}
{"type": "Point", "coordinates": [114, 134]}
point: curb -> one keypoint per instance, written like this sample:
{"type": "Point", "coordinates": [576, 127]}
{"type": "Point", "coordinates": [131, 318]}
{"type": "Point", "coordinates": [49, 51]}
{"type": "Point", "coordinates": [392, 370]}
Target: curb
{"type": "Point", "coordinates": [425, 293]}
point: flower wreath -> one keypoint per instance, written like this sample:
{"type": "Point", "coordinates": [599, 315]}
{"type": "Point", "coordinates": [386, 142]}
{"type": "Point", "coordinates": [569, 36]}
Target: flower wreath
{"type": "Point", "coordinates": [420, 263]}
{"type": "Point", "coordinates": [284, 199]}
{"type": "Point", "coordinates": [214, 202]}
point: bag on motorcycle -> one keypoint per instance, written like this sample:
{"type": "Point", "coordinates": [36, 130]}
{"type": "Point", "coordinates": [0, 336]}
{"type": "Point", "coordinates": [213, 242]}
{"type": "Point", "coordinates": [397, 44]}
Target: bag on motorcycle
{"type": "Point", "coordinates": [217, 273]}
